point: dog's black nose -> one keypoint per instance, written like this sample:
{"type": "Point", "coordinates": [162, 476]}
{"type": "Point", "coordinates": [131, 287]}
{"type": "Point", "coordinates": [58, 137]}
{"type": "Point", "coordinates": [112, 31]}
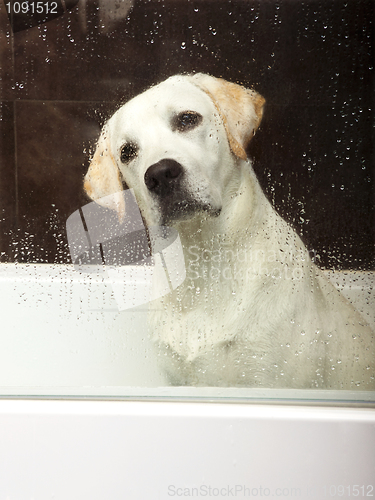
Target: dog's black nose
{"type": "Point", "coordinates": [162, 177]}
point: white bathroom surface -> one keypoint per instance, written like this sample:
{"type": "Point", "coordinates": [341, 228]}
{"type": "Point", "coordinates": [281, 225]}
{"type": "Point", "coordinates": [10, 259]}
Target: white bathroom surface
{"type": "Point", "coordinates": [61, 327]}
{"type": "Point", "coordinates": [89, 450]}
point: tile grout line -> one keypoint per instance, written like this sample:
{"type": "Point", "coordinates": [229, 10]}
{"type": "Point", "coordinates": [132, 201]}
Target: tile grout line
{"type": "Point", "coordinates": [15, 139]}
{"type": "Point", "coordinates": [16, 162]}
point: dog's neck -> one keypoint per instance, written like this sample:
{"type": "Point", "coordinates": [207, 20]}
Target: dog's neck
{"type": "Point", "coordinates": [243, 211]}
{"type": "Point", "coordinates": [248, 225]}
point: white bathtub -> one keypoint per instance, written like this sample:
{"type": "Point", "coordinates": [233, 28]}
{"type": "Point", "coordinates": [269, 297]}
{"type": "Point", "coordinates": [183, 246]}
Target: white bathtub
{"type": "Point", "coordinates": [62, 328]}
{"type": "Point", "coordinates": [72, 368]}
{"type": "Point", "coordinates": [62, 334]}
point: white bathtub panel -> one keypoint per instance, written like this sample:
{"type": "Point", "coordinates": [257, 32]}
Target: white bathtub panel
{"type": "Point", "coordinates": [63, 328]}
{"type": "Point", "coordinates": [146, 451]}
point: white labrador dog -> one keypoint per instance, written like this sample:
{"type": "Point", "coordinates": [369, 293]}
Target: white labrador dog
{"type": "Point", "coordinates": [253, 309]}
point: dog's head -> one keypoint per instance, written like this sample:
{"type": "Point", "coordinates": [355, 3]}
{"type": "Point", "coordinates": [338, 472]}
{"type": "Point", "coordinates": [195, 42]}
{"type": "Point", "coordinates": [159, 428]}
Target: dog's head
{"type": "Point", "coordinates": [177, 145]}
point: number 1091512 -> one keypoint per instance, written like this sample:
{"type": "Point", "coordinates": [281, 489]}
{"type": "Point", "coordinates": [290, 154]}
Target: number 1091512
{"type": "Point", "coordinates": [31, 7]}
{"type": "Point", "coordinates": [355, 490]}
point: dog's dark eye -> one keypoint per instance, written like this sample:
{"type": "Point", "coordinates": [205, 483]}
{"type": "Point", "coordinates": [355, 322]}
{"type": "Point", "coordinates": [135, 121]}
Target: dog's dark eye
{"type": "Point", "coordinates": [128, 152]}
{"type": "Point", "coordinates": [186, 121]}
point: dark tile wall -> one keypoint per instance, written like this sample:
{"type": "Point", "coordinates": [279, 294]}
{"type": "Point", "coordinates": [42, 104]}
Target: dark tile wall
{"type": "Point", "coordinates": [312, 61]}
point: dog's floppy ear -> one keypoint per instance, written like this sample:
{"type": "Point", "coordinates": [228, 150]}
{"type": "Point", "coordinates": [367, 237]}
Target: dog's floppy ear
{"type": "Point", "coordinates": [241, 109]}
{"type": "Point", "coordinates": [102, 181]}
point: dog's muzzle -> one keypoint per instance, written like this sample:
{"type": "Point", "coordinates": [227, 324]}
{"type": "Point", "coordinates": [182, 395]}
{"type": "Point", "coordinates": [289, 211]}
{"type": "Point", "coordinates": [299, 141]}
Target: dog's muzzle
{"type": "Point", "coordinates": [164, 177]}
{"type": "Point", "coordinates": [165, 181]}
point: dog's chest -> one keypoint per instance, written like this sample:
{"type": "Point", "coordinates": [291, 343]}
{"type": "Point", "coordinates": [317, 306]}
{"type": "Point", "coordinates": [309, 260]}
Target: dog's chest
{"type": "Point", "coordinates": [211, 307]}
